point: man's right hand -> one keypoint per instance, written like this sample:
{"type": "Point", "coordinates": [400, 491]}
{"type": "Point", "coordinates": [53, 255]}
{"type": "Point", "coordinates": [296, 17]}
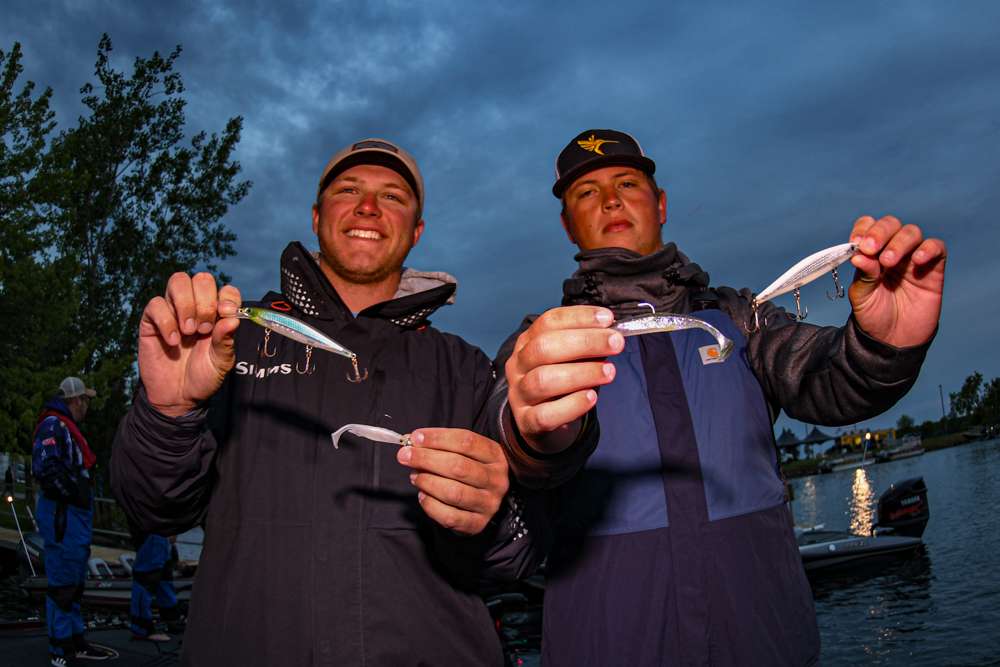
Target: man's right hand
{"type": "Point", "coordinates": [186, 342]}
{"type": "Point", "coordinates": [557, 364]}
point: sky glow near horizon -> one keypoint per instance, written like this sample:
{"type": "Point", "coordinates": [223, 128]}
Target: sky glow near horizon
{"type": "Point", "coordinates": [773, 125]}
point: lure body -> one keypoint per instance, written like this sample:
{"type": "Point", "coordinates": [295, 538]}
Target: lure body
{"type": "Point", "coordinates": [672, 322]}
{"type": "Point", "coordinates": [295, 329]}
{"type": "Point", "coordinates": [808, 270]}
{"type": "Point", "coordinates": [376, 433]}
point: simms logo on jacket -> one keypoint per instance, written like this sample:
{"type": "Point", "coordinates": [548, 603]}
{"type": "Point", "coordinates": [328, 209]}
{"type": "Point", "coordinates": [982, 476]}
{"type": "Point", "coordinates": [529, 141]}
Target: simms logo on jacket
{"type": "Point", "coordinates": [244, 368]}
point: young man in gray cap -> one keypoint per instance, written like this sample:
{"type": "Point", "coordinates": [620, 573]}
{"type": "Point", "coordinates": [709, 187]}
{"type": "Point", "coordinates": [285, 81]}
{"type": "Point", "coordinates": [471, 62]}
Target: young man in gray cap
{"type": "Point", "coordinates": [365, 554]}
{"type": "Point", "coordinates": [61, 460]}
{"type": "Point", "coordinates": [673, 541]}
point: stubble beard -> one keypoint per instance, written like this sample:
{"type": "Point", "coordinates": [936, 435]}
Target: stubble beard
{"type": "Point", "coordinates": [359, 277]}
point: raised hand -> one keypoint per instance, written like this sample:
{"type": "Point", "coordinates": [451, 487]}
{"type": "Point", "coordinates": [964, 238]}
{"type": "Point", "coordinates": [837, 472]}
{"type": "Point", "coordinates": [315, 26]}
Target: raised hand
{"type": "Point", "coordinates": [186, 342]}
{"type": "Point", "coordinates": [461, 476]}
{"type": "Point", "coordinates": [899, 282]}
{"type": "Point", "coordinates": [552, 374]}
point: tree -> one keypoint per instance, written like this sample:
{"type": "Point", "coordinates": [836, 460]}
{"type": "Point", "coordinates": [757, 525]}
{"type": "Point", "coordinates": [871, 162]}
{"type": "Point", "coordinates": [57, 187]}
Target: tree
{"type": "Point", "coordinates": [967, 400]}
{"type": "Point", "coordinates": [125, 203]}
{"type": "Point", "coordinates": [905, 425]}
{"type": "Point", "coordinates": [37, 304]}
{"type": "Point", "coordinates": [990, 405]}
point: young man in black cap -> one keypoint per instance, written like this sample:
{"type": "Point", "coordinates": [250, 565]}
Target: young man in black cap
{"type": "Point", "coordinates": [366, 554]}
{"type": "Point", "coordinates": [673, 543]}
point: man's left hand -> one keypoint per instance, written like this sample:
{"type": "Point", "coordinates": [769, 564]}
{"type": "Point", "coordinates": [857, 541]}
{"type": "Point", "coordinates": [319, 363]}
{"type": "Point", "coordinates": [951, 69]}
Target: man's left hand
{"type": "Point", "coordinates": [461, 476]}
{"type": "Point", "coordinates": [896, 293]}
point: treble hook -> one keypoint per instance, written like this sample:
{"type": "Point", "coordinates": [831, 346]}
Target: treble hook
{"type": "Point", "coordinates": [358, 377]}
{"type": "Point", "coordinates": [837, 285]}
{"type": "Point", "coordinates": [263, 348]}
{"type": "Point", "coordinates": [308, 370]}
{"type": "Point", "coordinates": [648, 305]}
{"type": "Point", "coordinates": [800, 314]}
{"type": "Point", "coordinates": [755, 311]}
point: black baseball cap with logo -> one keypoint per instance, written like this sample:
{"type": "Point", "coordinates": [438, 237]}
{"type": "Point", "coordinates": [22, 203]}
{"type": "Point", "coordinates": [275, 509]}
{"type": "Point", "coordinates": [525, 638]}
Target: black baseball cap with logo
{"type": "Point", "coordinates": [593, 149]}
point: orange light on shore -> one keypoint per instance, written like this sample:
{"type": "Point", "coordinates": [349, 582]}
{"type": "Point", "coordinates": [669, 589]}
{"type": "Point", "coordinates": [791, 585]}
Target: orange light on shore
{"type": "Point", "coordinates": [10, 498]}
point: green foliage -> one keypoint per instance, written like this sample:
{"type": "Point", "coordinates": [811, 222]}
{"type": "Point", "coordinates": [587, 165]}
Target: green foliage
{"type": "Point", "coordinates": [967, 400]}
{"type": "Point", "coordinates": [94, 222]}
{"type": "Point", "coordinates": [989, 408]}
{"type": "Point", "coordinates": [905, 425]}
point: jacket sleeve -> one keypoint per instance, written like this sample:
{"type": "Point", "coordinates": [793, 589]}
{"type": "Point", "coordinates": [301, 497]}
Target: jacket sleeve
{"type": "Point", "coordinates": [533, 469]}
{"type": "Point", "coordinates": [828, 376]}
{"type": "Point", "coordinates": [162, 467]}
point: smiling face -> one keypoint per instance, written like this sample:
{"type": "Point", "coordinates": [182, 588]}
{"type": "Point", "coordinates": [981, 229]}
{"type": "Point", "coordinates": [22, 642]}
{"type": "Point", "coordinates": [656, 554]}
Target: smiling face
{"type": "Point", "coordinates": [616, 207]}
{"type": "Point", "coordinates": [366, 221]}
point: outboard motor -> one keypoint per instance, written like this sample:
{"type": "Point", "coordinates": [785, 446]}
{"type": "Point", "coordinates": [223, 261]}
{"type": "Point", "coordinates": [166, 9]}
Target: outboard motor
{"type": "Point", "coordinates": [903, 509]}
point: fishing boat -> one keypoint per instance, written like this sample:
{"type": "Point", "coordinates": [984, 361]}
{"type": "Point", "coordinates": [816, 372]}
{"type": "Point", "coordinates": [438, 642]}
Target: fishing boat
{"type": "Point", "coordinates": [109, 582]}
{"type": "Point", "coordinates": [910, 446]}
{"type": "Point", "coordinates": [903, 512]}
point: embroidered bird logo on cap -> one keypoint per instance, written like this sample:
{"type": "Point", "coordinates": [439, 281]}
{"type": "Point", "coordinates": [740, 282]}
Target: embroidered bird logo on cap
{"type": "Point", "coordinates": [593, 144]}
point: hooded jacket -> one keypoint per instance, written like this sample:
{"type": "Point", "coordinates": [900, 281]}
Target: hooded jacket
{"type": "Point", "coordinates": [673, 541]}
{"type": "Point", "coordinates": [315, 555]}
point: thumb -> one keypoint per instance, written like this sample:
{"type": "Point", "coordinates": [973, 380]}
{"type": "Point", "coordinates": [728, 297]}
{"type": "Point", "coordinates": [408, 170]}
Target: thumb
{"type": "Point", "coordinates": [223, 342]}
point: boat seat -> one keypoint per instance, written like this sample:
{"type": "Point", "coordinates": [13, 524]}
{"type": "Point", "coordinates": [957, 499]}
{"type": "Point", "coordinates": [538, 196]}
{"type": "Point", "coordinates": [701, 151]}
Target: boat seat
{"type": "Point", "coordinates": [127, 560]}
{"type": "Point", "coordinates": [99, 568]}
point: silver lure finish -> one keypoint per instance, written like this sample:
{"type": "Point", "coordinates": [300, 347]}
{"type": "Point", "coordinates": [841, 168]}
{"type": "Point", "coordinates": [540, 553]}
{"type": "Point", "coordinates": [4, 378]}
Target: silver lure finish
{"type": "Point", "coordinates": [655, 323]}
{"type": "Point", "coordinates": [808, 270]}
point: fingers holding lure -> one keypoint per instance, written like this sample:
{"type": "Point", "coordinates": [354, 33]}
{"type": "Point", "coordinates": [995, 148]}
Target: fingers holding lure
{"type": "Point", "coordinates": [300, 332]}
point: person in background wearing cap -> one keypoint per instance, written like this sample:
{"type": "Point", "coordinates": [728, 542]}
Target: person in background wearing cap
{"type": "Point", "coordinates": [363, 554]}
{"type": "Point", "coordinates": [60, 461]}
{"type": "Point", "coordinates": [673, 542]}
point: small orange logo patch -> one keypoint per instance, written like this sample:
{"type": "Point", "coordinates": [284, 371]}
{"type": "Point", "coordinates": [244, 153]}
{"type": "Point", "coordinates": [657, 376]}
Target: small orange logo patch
{"type": "Point", "coordinates": [593, 144]}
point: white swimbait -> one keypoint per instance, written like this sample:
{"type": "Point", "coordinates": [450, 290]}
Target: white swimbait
{"type": "Point", "coordinates": [300, 332]}
{"type": "Point", "coordinates": [376, 433]}
{"type": "Point", "coordinates": [655, 323]}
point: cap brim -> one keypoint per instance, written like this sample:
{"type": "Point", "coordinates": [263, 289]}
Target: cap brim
{"type": "Point", "coordinates": [640, 162]}
{"type": "Point", "coordinates": [91, 393]}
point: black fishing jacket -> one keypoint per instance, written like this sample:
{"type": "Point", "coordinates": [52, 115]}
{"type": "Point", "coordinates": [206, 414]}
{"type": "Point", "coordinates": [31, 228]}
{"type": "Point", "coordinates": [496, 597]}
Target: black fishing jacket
{"type": "Point", "coordinates": [315, 555]}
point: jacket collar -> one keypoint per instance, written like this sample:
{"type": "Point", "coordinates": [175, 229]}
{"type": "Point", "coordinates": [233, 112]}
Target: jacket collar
{"type": "Point", "coordinates": [621, 279]}
{"type": "Point", "coordinates": [420, 293]}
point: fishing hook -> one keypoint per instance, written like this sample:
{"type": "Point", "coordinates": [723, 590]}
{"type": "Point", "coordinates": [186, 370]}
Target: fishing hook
{"type": "Point", "coordinates": [308, 370]}
{"type": "Point", "coordinates": [358, 377]}
{"type": "Point", "coordinates": [263, 348]}
{"type": "Point", "coordinates": [757, 325]}
{"type": "Point", "coordinates": [839, 288]}
{"type": "Point", "coordinates": [800, 313]}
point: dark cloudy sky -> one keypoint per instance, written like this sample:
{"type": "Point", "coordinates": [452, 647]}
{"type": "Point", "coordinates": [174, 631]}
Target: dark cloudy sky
{"type": "Point", "coordinates": [774, 125]}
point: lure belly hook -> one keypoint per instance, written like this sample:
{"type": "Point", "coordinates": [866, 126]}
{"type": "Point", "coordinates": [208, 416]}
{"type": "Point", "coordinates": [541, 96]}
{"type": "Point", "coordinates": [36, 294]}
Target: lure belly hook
{"type": "Point", "coordinates": [655, 323]}
{"type": "Point", "coordinates": [300, 332]}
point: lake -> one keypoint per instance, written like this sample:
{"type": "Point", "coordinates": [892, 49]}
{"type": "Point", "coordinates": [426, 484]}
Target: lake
{"type": "Point", "coordinates": [939, 608]}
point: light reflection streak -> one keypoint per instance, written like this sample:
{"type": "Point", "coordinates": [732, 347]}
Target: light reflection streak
{"type": "Point", "coordinates": [862, 498]}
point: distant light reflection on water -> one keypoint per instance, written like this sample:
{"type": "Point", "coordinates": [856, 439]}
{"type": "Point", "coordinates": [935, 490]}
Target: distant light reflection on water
{"type": "Point", "coordinates": [941, 607]}
{"type": "Point", "coordinates": [862, 503]}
